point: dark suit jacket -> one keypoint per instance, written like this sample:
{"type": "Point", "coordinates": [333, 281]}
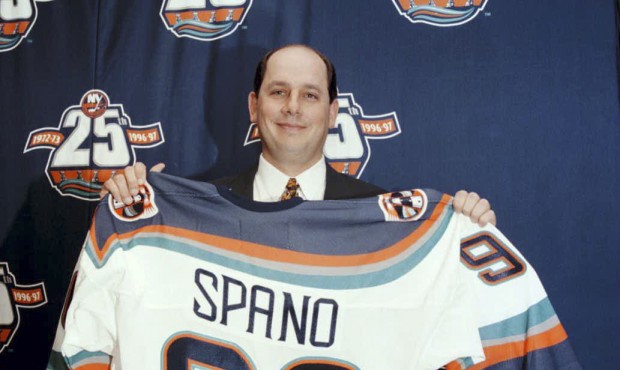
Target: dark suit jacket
{"type": "Point", "coordinates": [337, 185]}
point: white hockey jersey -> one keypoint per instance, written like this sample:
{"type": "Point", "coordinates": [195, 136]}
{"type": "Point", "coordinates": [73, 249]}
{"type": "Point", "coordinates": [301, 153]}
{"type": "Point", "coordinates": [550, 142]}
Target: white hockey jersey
{"type": "Point", "coordinates": [193, 277]}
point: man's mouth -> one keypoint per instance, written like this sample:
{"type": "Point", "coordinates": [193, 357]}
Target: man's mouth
{"type": "Point", "coordinates": [290, 126]}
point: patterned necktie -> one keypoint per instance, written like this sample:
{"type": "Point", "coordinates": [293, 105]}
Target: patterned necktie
{"type": "Point", "coordinates": [291, 189]}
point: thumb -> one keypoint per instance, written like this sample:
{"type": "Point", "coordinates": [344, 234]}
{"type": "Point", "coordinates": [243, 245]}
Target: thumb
{"type": "Point", "coordinates": [158, 167]}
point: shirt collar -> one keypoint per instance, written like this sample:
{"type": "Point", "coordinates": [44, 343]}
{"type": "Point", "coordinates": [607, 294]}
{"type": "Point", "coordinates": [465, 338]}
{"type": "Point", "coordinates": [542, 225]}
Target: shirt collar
{"type": "Point", "coordinates": [269, 182]}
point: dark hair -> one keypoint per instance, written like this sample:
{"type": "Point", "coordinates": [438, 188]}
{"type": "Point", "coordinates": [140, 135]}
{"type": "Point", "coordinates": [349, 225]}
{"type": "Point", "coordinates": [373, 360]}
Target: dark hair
{"type": "Point", "coordinates": [331, 70]}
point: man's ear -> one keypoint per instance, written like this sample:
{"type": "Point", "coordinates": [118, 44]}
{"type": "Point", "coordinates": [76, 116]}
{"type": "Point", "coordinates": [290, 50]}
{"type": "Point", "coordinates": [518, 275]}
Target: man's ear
{"type": "Point", "coordinates": [333, 113]}
{"type": "Point", "coordinates": [253, 106]}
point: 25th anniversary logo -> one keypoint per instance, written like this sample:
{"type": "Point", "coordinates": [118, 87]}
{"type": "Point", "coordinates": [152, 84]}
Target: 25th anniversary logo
{"type": "Point", "coordinates": [93, 140]}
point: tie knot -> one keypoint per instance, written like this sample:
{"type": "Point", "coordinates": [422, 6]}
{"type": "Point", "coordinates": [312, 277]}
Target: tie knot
{"type": "Point", "coordinates": [291, 189]}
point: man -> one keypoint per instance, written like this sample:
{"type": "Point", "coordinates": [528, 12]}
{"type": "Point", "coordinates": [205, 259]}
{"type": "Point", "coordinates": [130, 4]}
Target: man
{"type": "Point", "coordinates": [294, 105]}
{"type": "Point", "coordinates": [245, 280]}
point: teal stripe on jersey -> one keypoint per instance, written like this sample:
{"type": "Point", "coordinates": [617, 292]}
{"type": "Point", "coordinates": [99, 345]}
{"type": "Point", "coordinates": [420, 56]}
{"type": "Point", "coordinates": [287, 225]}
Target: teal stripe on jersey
{"type": "Point", "coordinates": [84, 357]}
{"type": "Point", "coordinates": [90, 251]}
{"type": "Point", "coordinates": [521, 323]}
{"type": "Point", "coordinates": [329, 278]}
{"type": "Point", "coordinates": [468, 362]}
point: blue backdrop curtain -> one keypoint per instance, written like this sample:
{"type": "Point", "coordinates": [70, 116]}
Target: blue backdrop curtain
{"type": "Point", "coordinates": [516, 100]}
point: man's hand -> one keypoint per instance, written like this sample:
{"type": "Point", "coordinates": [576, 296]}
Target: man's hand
{"type": "Point", "coordinates": [124, 185]}
{"type": "Point", "coordinates": [477, 209]}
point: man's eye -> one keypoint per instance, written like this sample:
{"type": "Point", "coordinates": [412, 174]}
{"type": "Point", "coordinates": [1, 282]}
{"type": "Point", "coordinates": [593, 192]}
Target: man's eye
{"type": "Point", "coordinates": [311, 96]}
{"type": "Point", "coordinates": [277, 92]}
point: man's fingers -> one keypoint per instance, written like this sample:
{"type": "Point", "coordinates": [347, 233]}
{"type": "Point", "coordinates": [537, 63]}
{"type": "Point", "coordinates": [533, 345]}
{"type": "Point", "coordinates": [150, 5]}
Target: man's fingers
{"type": "Point", "coordinates": [487, 218]}
{"type": "Point", "coordinates": [482, 213]}
{"type": "Point", "coordinates": [158, 167]}
{"type": "Point", "coordinates": [140, 172]}
{"type": "Point", "coordinates": [124, 185]}
{"type": "Point", "coordinates": [110, 186]}
{"type": "Point", "coordinates": [459, 200]}
{"type": "Point", "coordinates": [479, 209]}
{"type": "Point", "coordinates": [103, 192]}
{"type": "Point", "coordinates": [123, 190]}
{"type": "Point", "coordinates": [470, 202]}
{"type": "Point", "coordinates": [130, 178]}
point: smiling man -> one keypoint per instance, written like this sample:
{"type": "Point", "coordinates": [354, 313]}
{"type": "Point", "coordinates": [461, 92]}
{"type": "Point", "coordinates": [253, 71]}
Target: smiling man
{"type": "Point", "coordinates": [294, 103]}
{"type": "Point", "coordinates": [295, 109]}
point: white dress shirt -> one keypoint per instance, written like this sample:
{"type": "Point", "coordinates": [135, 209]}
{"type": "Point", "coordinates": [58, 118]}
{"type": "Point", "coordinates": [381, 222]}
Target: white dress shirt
{"type": "Point", "coordinates": [270, 183]}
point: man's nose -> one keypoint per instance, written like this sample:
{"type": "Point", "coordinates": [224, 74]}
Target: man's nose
{"type": "Point", "coordinates": [292, 105]}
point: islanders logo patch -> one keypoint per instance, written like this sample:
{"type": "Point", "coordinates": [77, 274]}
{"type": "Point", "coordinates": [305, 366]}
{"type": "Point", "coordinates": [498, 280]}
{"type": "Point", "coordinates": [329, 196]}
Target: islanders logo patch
{"type": "Point", "coordinates": [17, 18]}
{"type": "Point", "coordinates": [93, 140]}
{"type": "Point", "coordinates": [204, 20]}
{"type": "Point", "coordinates": [443, 13]}
{"type": "Point", "coordinates": [347, 148]}
{"type": "Point", "coordinates": [403, 206]}
{"type": "Point", "coordinates": [14, 297]}
{"type": "Point", "coordinates": [143, 205]}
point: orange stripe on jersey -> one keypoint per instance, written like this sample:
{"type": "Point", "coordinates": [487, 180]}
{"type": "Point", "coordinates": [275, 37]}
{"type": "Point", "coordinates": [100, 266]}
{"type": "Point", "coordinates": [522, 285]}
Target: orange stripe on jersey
{"type": "Point", "coordinates": [508, 351]}
{"type": "Point", "coordinates": [280, 255]}
{"type": "Point", "coordinates": [93, 367]}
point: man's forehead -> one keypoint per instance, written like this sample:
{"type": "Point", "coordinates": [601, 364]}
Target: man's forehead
{"type": "Point", "coordinates": [298, 62]}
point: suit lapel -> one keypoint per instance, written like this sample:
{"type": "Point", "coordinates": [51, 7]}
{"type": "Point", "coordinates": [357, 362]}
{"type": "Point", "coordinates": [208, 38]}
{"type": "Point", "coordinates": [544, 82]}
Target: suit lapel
{"type": "Point", "coordinates": [335, 188]}
{"type": "Point", "coordinates": [243, 184]}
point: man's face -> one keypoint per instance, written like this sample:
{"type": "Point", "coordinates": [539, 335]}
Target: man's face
{"type": "Point", "coordinates": [292, 109]}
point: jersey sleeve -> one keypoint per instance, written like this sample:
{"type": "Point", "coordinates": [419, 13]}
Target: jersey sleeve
{"type": "Point", "coordinates": [518, 326]}
{"type": "Point", "coordinates": [90, 324]}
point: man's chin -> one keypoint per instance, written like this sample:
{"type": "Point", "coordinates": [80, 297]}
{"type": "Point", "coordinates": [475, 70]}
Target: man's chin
{"type": "Point", "coordinates": [296, 154]}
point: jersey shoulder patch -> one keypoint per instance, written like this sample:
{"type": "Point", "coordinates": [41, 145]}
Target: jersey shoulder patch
{"type": "Point", "coordinates": [411, 205]}
{"type": "Point", "coordinates": [143, 205]}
